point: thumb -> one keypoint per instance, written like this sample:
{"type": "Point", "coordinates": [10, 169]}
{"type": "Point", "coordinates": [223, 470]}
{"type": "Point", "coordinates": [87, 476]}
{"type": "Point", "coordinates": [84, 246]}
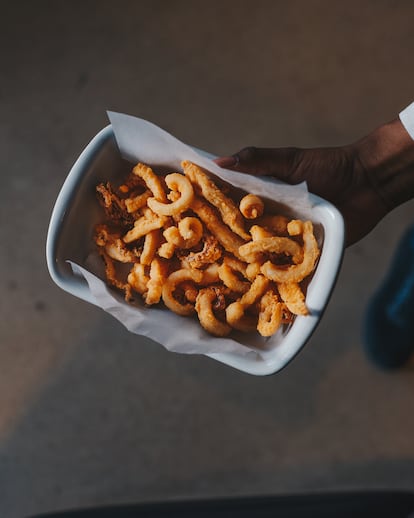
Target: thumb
{"type": "Point", "coordinates": [278, 162]}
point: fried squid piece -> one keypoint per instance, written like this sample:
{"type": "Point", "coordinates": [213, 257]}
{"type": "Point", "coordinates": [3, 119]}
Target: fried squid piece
{"type": "Point", "coordinates": [228, 272]}
{"type": "Point", "coordinates": [110, 273]}
{"type": "Point", "coordinates": [251, 206]}
{"type": "Point", "coordinates": [113, 245]}
{"type": "Point", "coordinates": [138, 278]}
{"type": "Point", "coordinates": [137, 202]}
{"type": "Point", "coordinates": [152, 181]}
{"type": "Point", "coordinates": [253, 270]}
{"type": "Point", "coordinates": [293, 297]}
{"type": "Point", "coordinates": [132, 183]}
{"type": "Point", "coordinates": [177, 183]}
{"type": "Point", "coordinates": [157, 278]}
{"type": "Point", "coordinates": [271, 313]}
{"type": "Point", "coordinates": [166, 250]}
{"type": "Point", "coordinates": [257, 232]}
{"type": "Point", "coordinates": [228, 210]}
{"type": "Point", "coordinates": [113, 206]}
{"type": "Point", "coordinates": [277, 224]}
{"type": "Point", "coordinates": [144, 225]}
{"type": "Point", "coordinates": [187, 235]}
{"type": "Point", "coordinates": [210, 274]}
{"type": "Point", "coordinates": [236, 312]}
{"type": "Point", "coordinates": [257, 250]}
{"type": "Point", "coordinates": [209, 300]}
{"type": "Point", "coordinates": [190, 291]}
{"type": "Point", "coordinates": [296, 272]}
{"type": "Point", "coordinates": [151, 243]}
{"type": "Point", "coordinates": [171, 285]}
{"type": "Point", "coordinates": [228, 239]}
{"type": "Point", "coordinates": [210, 253]}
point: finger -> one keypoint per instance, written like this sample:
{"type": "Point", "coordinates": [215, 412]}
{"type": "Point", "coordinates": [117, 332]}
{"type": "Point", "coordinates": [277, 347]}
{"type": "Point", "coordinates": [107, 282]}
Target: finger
{"type": "Point", "coordinates": [226, 161]}
{"type": "Point", "coordinates": [278, 162]}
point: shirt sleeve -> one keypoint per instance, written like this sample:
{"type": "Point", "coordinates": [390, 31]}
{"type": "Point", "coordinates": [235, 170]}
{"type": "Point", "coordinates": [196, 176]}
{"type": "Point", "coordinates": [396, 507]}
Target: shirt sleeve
{"type": "Point", "coordinates": [407, 119]}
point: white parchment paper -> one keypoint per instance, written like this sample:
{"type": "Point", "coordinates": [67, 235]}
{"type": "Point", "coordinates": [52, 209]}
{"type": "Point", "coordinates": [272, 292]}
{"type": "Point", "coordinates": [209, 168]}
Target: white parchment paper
{"type": "Point", "coordinates": [141, 141]}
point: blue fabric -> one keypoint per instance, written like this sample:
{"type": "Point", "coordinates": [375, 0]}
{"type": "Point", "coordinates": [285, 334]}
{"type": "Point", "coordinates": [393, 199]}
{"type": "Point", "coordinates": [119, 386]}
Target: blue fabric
{"type": "Point", "coordinates": [388, 332]}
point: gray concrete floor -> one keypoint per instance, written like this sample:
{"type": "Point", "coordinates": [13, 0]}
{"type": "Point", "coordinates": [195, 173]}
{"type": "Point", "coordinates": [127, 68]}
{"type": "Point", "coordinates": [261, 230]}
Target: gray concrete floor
{"type": "Point", "coordinates": [90, 414]}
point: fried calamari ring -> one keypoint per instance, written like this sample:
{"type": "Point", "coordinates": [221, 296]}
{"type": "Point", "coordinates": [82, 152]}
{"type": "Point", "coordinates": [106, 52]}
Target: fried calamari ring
{"type": "Point", "coordinates": [251, 206]}
{"type": "Point", "coordinates": [296, 272]}
{"type": "Point", "coordinates": [152, 181]}
{"type": "Point", "coordinates": [187, 235]}
{"type": "Point", "coordinates": [204, 307]}
{"type": "Point", "coordinates": [210, 253]}
{"type": "Point", "coordinates": [235, 312]}
{"type": "Point", "coordinates": [270, 315]}
{"type": "Point", "coordinates": [157, 277]}
{"type": "Point", "coordinates": [293, 297]}
{"type": "Point", "coordinates": [236, 318]}
{"type": "Point", "coordinates": [176, 182]}
{"type": "Point", "coordinates": [172, 283]}
{"type": "Point", "coordinates": [228, 239]}
{"type": "Point", "coordinates": [256, 289]}
{"type": "Point", "coordinates": [257, 250]}
{"type": "Point", "coordinates": [227, 273]}
{"type": "Point", "coordinates": [231, 280]}
{"type": "Point", "coordinates": [228, 210]}
{"type": "Point", "coordinates": [191, 230]}
{"type": "Point", "coordinates": [143, 225]}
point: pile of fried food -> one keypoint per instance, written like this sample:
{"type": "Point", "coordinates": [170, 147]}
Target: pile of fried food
{"type": "Point", "coordinates": [187, 244]}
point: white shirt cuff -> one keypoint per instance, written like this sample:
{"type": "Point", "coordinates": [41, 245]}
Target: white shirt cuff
{"type": "Point", "coordinates": [407, 118]}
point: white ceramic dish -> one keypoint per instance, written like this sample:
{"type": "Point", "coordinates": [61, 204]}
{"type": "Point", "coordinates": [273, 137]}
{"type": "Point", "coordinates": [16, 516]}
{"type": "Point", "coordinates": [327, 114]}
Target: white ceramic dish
{"type": "Point", "coordinates": [76, 208]}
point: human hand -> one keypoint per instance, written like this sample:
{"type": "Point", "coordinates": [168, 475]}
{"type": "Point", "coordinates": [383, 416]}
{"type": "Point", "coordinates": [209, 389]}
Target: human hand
{"type": "Point", "coordinates": [355, 178]}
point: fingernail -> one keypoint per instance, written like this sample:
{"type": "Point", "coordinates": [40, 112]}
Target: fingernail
{"type": "Point", "coordinates": [226, 161]}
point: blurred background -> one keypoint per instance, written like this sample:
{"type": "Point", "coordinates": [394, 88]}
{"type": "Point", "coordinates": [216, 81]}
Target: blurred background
{"type": "Point", "coordinates": [90, 414]}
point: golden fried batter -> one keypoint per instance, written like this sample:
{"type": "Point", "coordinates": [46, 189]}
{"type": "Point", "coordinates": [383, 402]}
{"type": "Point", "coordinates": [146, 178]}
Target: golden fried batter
{"type": "Point", "coordinates": [189, 250]}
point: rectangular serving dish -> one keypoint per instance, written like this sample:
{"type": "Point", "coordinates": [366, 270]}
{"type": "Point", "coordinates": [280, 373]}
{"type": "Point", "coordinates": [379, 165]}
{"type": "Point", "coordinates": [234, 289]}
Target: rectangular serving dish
{"type": "Point", "coordinates": [76, 212]}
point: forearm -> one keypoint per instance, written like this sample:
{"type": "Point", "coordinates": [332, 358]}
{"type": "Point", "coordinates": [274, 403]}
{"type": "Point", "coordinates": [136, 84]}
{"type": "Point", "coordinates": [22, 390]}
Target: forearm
{"type": "Point", "coordinates": [387, 156]}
